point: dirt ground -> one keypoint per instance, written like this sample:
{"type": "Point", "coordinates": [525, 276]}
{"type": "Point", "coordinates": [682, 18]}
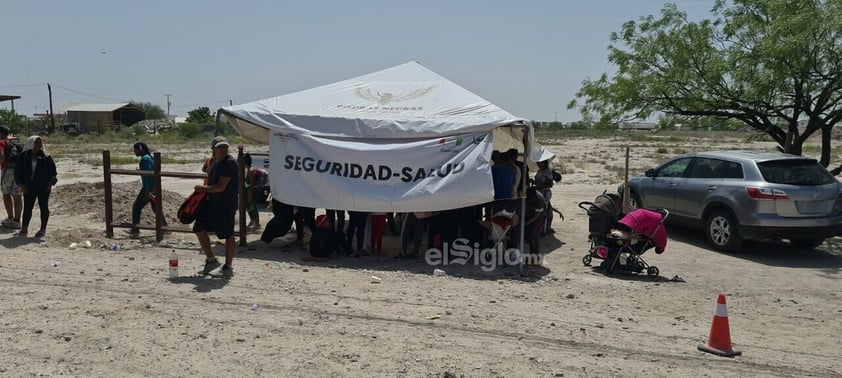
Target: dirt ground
{"type": "Point", "coordinates": [93, 311]}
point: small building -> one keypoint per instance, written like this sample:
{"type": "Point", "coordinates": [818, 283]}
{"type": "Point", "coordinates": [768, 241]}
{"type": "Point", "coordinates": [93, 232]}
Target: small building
{"type": "Point", "coordinates": [637, 126]}
{"type": "Point", "coordinates": [9, 98]}
{"type": "Point", "coordinates": [102, 117]}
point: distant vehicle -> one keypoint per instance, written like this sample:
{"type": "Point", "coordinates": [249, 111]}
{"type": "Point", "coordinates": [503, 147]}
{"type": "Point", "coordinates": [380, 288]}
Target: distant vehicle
{"type": "Point", "coordinates": [743, 195]}
{"type": "Point", "coordinates": [71, 128]}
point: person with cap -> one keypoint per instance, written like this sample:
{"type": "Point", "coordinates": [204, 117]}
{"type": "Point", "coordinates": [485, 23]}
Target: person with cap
{"type": "Point", "coordinates": [11, 198]}
{"type": "Point", "coordinates": [222, 189]}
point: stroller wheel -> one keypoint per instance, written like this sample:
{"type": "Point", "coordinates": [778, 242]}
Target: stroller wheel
{"type": "Point", "coordinates": [605, 266]}
{"type": "Point", "coordinates": [652, 271]}
{"type": "Point", "coordinates": [587, 260]}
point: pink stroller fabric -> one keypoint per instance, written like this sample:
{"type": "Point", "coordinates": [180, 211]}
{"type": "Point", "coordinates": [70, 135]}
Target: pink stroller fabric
{"type": "Point", "coordinates": [650, 224]}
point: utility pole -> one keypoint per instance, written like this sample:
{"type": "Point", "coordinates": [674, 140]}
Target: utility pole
{"type": "Point", "coordinates": [216, 130]}
{"type": "Point", "coordinates": [168, 104]}
{"type": "Point", "coordinates": [52, 117]}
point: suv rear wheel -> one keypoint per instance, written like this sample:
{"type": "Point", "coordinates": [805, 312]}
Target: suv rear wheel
{"type": "Point", "coordinates": [721, 231]}
{"type": "Point", "coordinates": [634, 201]}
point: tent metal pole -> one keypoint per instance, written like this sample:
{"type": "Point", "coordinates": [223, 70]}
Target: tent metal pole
{"type": "Point", "coordinates": [524, 180]}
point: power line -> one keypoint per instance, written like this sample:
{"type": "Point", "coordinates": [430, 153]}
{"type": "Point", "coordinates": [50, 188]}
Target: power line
{"type": "Point", "coordinates": [87, 94]}
{"type": "Point", "coordinates": [23, 85]}
{"type": "Point", "coordinates": [195, 104]}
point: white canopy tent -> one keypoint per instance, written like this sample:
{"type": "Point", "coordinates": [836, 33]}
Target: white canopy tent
{"type": "Point", "coordinates": [398, 140]}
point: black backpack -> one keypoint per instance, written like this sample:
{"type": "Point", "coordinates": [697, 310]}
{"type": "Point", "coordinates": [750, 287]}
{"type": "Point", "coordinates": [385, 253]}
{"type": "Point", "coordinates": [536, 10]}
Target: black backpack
{"type": "Point", "coordinates": [324, 242]}
{"type": "Point", "coordinates": [14, 148]}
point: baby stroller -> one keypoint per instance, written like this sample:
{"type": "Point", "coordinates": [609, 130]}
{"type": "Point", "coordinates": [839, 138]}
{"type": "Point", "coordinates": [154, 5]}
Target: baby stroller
{"type": "Point", "coordinates": [603, 214]}
{"type": "Point", "coordinates": [637, 232]}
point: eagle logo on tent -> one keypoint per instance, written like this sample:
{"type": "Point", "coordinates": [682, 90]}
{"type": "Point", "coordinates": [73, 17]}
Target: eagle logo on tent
{"type": "Point", "coordinates": [386, 97]}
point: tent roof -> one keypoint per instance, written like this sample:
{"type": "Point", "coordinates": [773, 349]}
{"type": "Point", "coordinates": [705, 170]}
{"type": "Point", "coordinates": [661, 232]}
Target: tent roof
{"type": "Point", "coordinates": [91, 107]}
{"type": "Point", "coordinates": [405, 101]}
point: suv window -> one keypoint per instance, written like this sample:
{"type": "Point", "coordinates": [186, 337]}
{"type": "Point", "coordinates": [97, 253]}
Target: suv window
{"type": "Point", "coordinates": [795, 172]}
{"type": "Point", "coordinates": [703, 168]}
{"type": "Point", "coordinates": [727, 169]}
{"type": "Point", "coordinates": [674, 168]}
{"type": "Point", "coordinates": [730, 169]}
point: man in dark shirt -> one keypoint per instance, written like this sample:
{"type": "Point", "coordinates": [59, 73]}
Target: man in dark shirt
{"type": "Point", "coordinates": [223, 181]}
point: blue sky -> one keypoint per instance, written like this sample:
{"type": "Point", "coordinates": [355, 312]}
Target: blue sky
{"type": "Point", "coordinates": [528, 57]}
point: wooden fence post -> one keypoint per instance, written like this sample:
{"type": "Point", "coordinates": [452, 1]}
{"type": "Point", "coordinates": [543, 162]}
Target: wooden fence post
{"type": "Point", "coordinates": [106, 181]}
{"type": "Point", "coordinates": [241, 192]}
{"type": "Point", "coordinates": [158, 206]}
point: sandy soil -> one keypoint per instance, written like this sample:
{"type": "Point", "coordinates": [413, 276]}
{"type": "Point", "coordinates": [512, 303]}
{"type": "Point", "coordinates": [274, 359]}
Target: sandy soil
{"type": "Point", "coordinates": [97, 312]}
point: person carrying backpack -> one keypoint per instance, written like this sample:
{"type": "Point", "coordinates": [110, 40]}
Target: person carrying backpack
{"type": "Point", "coordinates": [222, 189]}
{"type": "Point", "coordinates": [10, 150]}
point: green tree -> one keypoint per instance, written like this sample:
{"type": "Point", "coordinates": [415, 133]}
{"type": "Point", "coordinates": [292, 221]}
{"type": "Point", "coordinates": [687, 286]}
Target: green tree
{"type": "Point", "coordinates": [769, 64]}
{"type": "Point", "coordinates": [12, 119]}
{"type": "Point", "coordinates": [152, 111]}
{"type": "Point", "coordinates": [580, 125]}
{"type": "Point", "coordinates": [201, 115]}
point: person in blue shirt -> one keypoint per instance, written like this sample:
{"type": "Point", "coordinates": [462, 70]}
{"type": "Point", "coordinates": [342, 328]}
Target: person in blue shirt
{"type": "Point", "coordinates": [146, 194]}
{"type": "Point", "coordinates": [504, 182]}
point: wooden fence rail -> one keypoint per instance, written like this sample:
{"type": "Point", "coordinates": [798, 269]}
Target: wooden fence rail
{"type": "Point", "coordinates": [156, 174]}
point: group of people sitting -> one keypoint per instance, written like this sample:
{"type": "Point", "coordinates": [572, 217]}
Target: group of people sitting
{"type": "Point", "coordinates": [330, 234]}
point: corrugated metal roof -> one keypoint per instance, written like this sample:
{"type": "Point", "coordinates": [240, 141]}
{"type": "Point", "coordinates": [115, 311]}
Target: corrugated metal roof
{"type": "Point", "coordinates": [94, 107]}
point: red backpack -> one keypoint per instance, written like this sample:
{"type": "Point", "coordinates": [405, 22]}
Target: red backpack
{"type": "Point", "coordinates": [194, 204]}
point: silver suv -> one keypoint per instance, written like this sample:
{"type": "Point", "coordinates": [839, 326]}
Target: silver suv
{"type": "Point", "coordinates": [745, 195]}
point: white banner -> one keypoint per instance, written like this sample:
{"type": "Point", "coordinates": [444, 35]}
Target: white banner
{"type": "Point", "coordinates": [381, 176]}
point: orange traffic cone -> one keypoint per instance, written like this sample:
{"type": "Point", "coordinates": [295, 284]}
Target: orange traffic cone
{"type": "Point", "coordinates": [719, 342]}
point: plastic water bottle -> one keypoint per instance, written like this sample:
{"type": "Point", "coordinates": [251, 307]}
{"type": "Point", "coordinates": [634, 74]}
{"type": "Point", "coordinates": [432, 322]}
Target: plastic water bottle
{"type": "Point", "coordinates": [173, 265]}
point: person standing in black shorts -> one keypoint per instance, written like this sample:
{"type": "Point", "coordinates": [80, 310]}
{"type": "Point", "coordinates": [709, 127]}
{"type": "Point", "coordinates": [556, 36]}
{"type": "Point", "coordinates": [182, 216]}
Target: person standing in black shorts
{"type": "Point", "coordinates": [223, 181]}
